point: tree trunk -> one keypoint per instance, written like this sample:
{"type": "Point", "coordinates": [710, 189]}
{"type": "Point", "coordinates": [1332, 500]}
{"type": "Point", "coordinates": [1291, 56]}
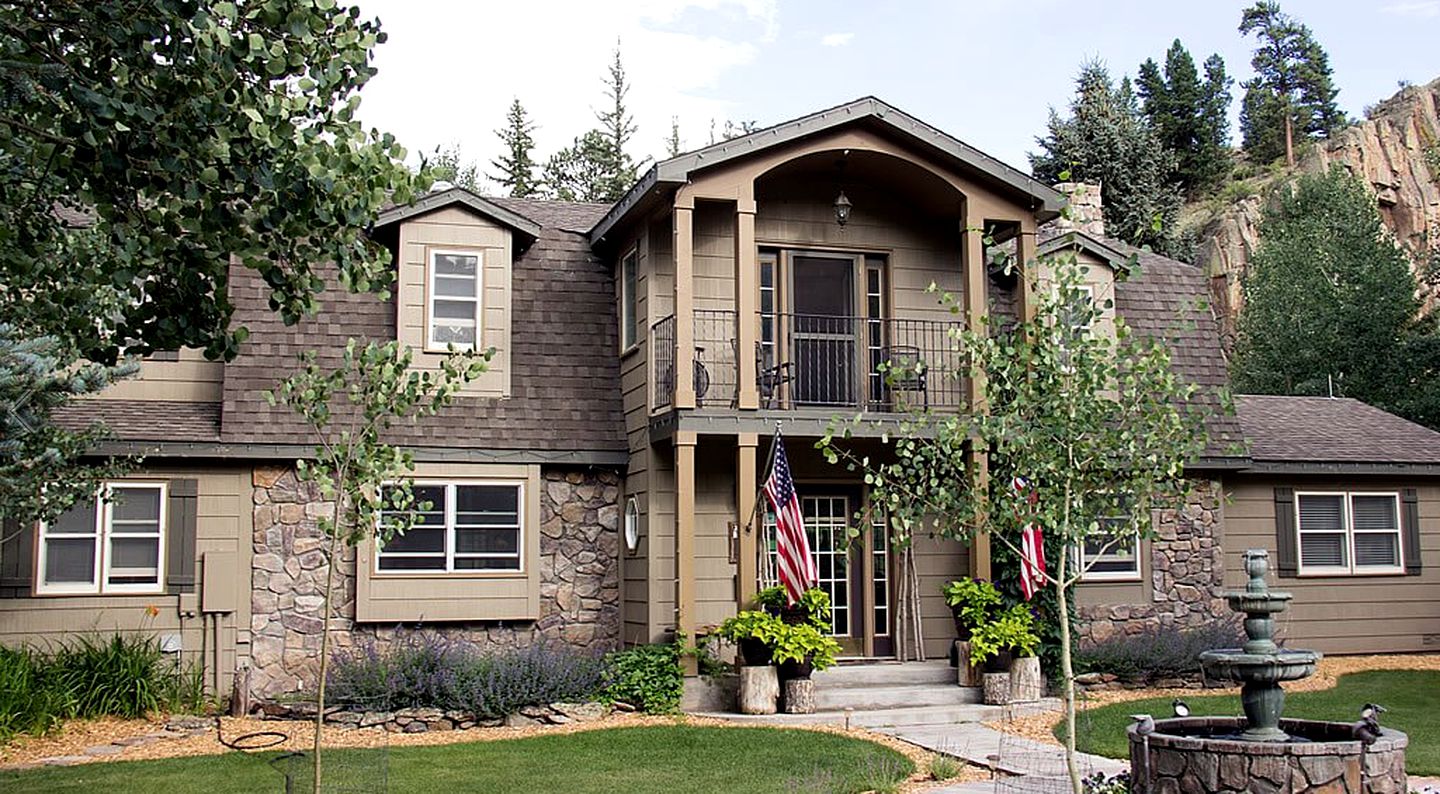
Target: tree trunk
{"type": "Point", "coordinates": [759, 689]}
{"type": "Point", "coordinates": [1289, 137]}
{"type": "Point", "coordinates": [1067, 672]}
{"type": "Point", "coordinates": [800, 696]}
{"type": "Point", "coordinates": [996, 691]}
{"type": "Point", "coordinates": [324, 653]}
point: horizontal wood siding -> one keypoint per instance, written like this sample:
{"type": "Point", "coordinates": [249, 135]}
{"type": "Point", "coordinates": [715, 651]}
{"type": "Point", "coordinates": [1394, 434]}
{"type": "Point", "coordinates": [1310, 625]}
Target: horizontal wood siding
{"type": "Point", "coordinates": [714, 510]}
{"type": "Point", "coordinates": [456, 229]}
{"type": "Point", "coordinates": [408, 598]}
{"type": "Point", "coordinates": [187, 378]}
{"type": "Point", "coordinates": [223, 524]}
{"type": "Point", "coordinates": [1342, 614]}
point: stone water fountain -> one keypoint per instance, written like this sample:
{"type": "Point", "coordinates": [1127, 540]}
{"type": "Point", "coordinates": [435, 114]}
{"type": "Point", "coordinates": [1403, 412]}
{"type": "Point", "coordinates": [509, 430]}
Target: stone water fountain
{"type": "Point", "coordinates": [1262, 752]}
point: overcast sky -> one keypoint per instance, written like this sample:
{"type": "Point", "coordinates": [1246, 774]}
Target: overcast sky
{"type": "Point", "coordinates": [983, 70]}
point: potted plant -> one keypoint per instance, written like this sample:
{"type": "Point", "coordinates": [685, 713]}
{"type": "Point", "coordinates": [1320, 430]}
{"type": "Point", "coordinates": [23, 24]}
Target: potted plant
{"type": "Point", "coordinates": [801, 649]}
{"type": "Point", "coordinates": [1004, 641]}
{"type": "Point", "coordinates": [972, 602]}
{"type": "Point", "coordinates": [755, 633]}
{"type": "Point", "coordinates": [813, 606]}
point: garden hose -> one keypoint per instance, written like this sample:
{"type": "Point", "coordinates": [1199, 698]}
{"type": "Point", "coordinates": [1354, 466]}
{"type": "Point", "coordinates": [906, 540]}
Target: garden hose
{"type": "Point", "coordinates": [256, 740]}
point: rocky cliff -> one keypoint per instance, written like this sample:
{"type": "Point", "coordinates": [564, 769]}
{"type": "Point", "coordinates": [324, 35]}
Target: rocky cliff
{"type": "Point", "coordinates": [1395, 150]}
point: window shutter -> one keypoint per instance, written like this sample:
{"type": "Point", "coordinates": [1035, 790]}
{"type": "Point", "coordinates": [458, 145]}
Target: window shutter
{"type": "Point", "coordinates": [1287, 555]}
{"type": "Point", "coordinates": [17, 559]}
{"type": "Point", "coordinates": [1410, 530]}
{"type": "Point", "coordinates": [180, 537]}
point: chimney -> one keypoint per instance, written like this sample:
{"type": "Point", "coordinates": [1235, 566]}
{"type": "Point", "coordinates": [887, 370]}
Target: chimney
{"type": "Point", "coordinates": [1085, 213]}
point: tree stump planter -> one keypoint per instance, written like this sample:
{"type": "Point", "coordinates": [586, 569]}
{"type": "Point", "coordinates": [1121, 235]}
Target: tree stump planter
{"type": "Point", "coordinates": [1026, 683]}
{"type": "Point", "coordinates": [800, 696]}
{"type": "Point", "coordinates": [967, 674]}
{"type": "Point", "coordinates": [996, 689]}
{"type": "Point", "coordinates": [759, 689]}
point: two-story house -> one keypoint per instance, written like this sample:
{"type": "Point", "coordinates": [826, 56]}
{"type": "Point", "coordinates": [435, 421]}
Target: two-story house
{"type": "Point", "coordinates": [598, 485]}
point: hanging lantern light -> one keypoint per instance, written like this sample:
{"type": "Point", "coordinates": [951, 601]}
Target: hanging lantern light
{"type": "Point", "coordinates": [842, 209]}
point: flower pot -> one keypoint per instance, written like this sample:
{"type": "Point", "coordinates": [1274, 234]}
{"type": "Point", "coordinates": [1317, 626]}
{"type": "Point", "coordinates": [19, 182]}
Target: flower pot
{"type": "Point", "coordinates": [1026, 684]}
{"type": "Point", "coordinates": [791, 670]}
{"type": "Point", "coordinates": [962, 629]}
{"type": "Point", "coordinates": [999, 663]}
{"type": "Point", "coordinates": [794, 615]}
{"type": "Point", "coordinates": [755, 652]}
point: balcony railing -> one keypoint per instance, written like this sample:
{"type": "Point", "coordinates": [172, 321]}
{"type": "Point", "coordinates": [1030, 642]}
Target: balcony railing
{"type": "Point", "coordinates": [818, 361]}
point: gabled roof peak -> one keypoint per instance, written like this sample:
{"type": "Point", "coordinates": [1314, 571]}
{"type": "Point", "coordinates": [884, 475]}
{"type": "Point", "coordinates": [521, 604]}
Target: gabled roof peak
{"type": "Point", "coordinates": [451, 194]}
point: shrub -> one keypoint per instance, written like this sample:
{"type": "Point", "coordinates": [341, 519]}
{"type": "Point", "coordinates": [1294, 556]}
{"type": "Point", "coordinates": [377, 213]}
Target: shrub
{"type": "Point", "coordinates": [425, 670]}
{"type": "Point", "coordinates": [1012, 630]}
{"type": "Point", "coordinates": [1157, 652]}
{"type": "Point", "coordinates": [647, 677]}
{"type": "Point", "coordinates": [123, 676]}
{"type": "Point", "coordinates": [944, 767]}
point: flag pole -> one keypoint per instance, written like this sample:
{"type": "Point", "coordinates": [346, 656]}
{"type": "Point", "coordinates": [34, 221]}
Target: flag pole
{"type": "Point", "coordinates": [760, 492]}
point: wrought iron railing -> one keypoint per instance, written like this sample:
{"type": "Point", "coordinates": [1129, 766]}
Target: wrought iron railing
{"type": "Point", "coordinates": [662, 353]}
{"type": "Point", "coordinates": [817, 361]}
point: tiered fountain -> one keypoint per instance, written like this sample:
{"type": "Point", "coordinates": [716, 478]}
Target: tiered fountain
{"type": "Point", "coordinates": [1262, 752]}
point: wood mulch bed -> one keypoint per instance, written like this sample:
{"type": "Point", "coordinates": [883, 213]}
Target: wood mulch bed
{"type": "Point", "coordinates": [1041, 727]}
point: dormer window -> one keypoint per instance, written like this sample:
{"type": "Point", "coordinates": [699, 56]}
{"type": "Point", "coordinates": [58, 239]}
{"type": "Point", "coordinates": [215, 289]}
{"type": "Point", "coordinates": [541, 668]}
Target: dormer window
{"type": "Point", "coordinates": [454, 306]}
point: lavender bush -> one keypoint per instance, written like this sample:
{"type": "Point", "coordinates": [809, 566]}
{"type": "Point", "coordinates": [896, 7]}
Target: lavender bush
{"type": "Point", "coordinates": [1157, 652]}
{"type": "Point", "coordinates": [426, 670]}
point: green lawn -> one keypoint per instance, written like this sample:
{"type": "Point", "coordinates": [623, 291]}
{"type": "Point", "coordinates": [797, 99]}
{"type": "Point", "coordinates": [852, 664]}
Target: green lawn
{"type": "Point", "coordinates": [1412, 697]}
{"type": "Point", "coordinates": [644, 759]}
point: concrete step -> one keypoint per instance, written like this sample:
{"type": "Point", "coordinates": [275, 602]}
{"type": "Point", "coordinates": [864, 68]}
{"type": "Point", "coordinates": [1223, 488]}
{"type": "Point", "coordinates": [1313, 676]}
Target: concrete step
{"type": "Point", "coordinates": [885, 674]}
{"type": "Point", "coordinates": [870, 698]}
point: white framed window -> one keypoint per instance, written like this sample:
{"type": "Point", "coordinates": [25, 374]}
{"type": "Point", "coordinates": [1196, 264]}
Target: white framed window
{"type": "Point", "coordinates": [1348, 532]}
{"type": "Point", "coordinates": [632, 525]}
{"type": "Point", "coordinates": [1110, 557]}
{"type": "Point", "coordinates": [454, 290]}
{"type": "Point", "coordinates": [629, 309]}
{"type": "Point", "coordinates": [112, 544]}
{"type": "Point", "coordinates": [465, 527]}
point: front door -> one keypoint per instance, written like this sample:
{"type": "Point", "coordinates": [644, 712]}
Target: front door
{"type": "Point", "coordinates": [824, 329]}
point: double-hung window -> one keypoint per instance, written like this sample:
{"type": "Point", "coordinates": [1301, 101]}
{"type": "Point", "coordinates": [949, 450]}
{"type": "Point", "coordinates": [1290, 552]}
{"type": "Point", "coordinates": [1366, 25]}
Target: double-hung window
{"type": "Point", "coordinates": [629, 329]}
{"type": "Point", "coordinates": [459, 527]}
{"type": "Point", "coordinates": [1112, 555]}
{"type": "Point", "coordinates": [454, 309]}
{"type": "Point", "coordinates": [114, 544]}
{"type": "Point", "coordinates": [1348, 533]}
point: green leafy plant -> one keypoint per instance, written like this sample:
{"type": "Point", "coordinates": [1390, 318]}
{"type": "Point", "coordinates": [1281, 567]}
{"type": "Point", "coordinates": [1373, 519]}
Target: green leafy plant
{"type": "Point", "coordinates": [751, 624]}
{"type": "Point", "coordinates": [803, 642]}
{"type": "Point", "coordinates": [771, 599]}
{"type": "Point", "coordinates": [944, 767]}
{"type": "Point", "coordinates": [1012, 630]}
{"type": "Point", "coordinates": [816, 603]}
{"type": "Point", "coordinates": [647, 677]}
{"type": "Point", "coordinates": [973, 601]}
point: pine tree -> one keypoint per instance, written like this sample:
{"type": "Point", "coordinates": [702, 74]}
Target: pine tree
{"type": "Point", "coordinates": [516, 167]}
{"type": "Point", "coordinates": [1188, 116]}
{"type": "Point", "coordinates": [579, 171]}
{"type": "Point", "coordinates": [673, 145]}
{"type": "Point", "coordinates": [1331, 304]}
{"type": "Point", "coordinates": [618, 127]}
{"type": "Point", "coordinates": [1106, 139]}
{"type": "Point", "coordinates": [1292, 93]}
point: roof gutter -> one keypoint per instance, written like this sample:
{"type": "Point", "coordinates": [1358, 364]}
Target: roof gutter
{"type": "Point", "coordinates": [226, 451]}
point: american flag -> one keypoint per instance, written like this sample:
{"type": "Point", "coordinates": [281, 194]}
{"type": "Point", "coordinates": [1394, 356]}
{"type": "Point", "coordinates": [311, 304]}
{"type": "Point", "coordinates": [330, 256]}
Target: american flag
{"type": "Point", "coordinates": [797, 567]}
{"type": "Point", "coordinates": [1032, 544]}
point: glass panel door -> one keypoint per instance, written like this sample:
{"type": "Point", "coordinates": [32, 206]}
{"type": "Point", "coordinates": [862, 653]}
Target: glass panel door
{"type": "Point", "coordinates": [824, 332]}
{"type": "Point", "coordinates": [826, 519]}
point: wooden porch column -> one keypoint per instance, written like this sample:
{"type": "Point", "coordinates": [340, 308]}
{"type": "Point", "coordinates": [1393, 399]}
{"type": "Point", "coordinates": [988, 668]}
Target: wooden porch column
{"type": "Point", "coordinates": [1024, 253]}
{"type": "Point", "coordinates": [746, 489]}
{"type": "Point", "coordinates": [976, 309]}
{"type": "Point", "coordinates": [685, 540]}
{"type": "Point", "coordinates": [747, 292]}
{"type": "Point", "coordinates": [684, 300]}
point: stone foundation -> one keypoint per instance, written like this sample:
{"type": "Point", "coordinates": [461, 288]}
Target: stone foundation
{"type": "Point", "coordinates": [1187, 574]}
{"type": "Point", "coordinates": [421, 720]}
{"type": "Point", "coordinates": [1330, 763]}
{"type": "Point", "coordinates": [579, 579]}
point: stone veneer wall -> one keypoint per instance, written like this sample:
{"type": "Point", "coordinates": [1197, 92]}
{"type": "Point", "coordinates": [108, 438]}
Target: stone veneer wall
{"type": "Point", "coordinates": [579, 578]}
{"type": "Point", "coordinates": [1187, 573]}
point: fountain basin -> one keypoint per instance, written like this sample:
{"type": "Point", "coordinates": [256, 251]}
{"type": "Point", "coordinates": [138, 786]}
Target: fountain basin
{"type": "Point", "coordinates": [1205, 754]}
{"type": "Point", "coordinates": [1234, 664]}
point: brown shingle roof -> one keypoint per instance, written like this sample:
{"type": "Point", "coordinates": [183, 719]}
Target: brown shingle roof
{"type": "Point", "coordinates": [145, 420]}
{"type": "Point", "coordinates": [569, 216]}
{"type": "Point", "coordinates": [1331, 429]}
{"type": "Point", "coordinates": [1170, 300]}
{"type": "Point", "coordinates": [565, 379]}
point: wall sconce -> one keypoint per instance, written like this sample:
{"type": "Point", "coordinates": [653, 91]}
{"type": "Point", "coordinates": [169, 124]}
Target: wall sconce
{"type": "Point", "coordinates": [842, 209]}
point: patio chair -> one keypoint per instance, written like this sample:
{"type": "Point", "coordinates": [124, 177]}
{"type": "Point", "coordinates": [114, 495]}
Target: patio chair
{"type": "Point", "coordinates": [770, 379]}
{"type": "Point", "coordinates": [906, 371]}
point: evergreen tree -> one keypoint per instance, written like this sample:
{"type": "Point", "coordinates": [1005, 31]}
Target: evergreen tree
{"type": "Point", "coordinates": [1292, 94]}
{"type": "Point", "coordinates": [1188, 116]}
{"type": "Point", "coordinates": [516, 166]}
{"type": "Point", "coordinates": [1331, 302]}
{"type": "Point", "coordinates": [449, 165]}
{"type": "Point", "coordinates": [618, 126]}
{"type": "Point", "coordinates": [1106, 139]}
{"type": "Point", "coordinates": [579, 171]}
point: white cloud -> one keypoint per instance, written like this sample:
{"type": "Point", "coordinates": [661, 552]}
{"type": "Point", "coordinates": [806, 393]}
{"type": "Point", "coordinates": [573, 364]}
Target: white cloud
{"type": "Point", "coordinates": [450, 67]}
{"type": "Point", "coordinates": [836, 39]}
{"type": "Point", "coordinates": [1419, 8]}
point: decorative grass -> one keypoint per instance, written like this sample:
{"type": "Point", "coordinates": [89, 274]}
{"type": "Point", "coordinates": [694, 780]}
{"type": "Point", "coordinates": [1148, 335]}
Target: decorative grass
{"type": "Point", "coordinates": [1412, 697]}
{"type": "Point", "coordinates": [640, 760]}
